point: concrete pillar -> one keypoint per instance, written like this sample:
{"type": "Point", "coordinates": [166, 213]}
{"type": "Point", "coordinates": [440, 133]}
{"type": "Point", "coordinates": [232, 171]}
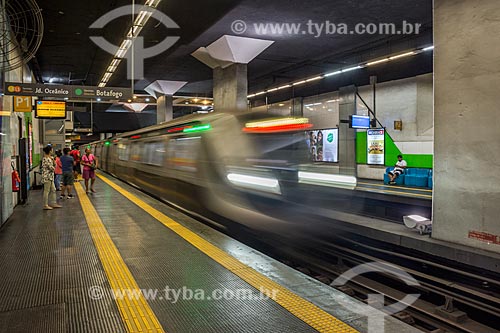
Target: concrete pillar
{"type": "Point", "coordinates": [164, 108]}
{"type": "Point", "coordinates": [347, 136]}
{"type": "Point", "coordinates": [230, 88]}
{"type": "Point", "coordinates": [163, 91]}
{"type": "Point", "coordinates": [466, 123]}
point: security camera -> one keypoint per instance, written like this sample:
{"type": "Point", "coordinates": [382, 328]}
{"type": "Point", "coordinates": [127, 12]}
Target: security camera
{"type": "Point", "coordinates": [422, 224]}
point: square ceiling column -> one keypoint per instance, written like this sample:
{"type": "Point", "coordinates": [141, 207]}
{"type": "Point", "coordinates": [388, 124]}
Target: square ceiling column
{"type": "Point", "coordinates": [163, 91]}
{"type": "Point", "coordinates": [228, 57]}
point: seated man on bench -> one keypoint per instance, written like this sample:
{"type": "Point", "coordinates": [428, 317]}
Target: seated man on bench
{"type": "Point", "coordinates": [399, 168]}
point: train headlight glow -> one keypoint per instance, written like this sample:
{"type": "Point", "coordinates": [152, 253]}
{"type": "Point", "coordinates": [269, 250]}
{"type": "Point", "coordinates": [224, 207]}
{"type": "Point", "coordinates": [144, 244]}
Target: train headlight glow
{"type": "Point", "coordinates": [326, 179]}
{"type": "Point", "coordinates": [255, 182]}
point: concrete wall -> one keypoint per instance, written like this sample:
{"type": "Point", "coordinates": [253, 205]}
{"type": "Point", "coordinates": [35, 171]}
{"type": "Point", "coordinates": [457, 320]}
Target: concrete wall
{"type": "Point", "coordinates": [466, 205]}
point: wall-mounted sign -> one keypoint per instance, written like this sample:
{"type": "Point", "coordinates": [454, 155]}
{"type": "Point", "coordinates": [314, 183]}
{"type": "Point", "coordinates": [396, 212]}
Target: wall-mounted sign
{"type": "Point", "coordinates": [376, 146]}
{"type": "Point", "coordinates": [22, 104]}
{"type": "Point", "coordinates": [50, 110]}
{"type": "Point", "coordinates": [66, 91]}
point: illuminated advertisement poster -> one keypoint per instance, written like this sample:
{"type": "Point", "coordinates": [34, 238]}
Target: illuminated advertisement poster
{"type": "Point", "coordinates": [323, 145]}
{"type": "Point", "coordinates": [376, 146]}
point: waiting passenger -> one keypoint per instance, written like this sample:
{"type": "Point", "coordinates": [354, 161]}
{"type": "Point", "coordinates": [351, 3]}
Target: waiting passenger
{"type": "Point", "coordinates": [67, 177]}
{"type": "Point", "coordinates": [49, 189]}
{"type": "Point", "coordinates": [58, 172]}
{"type": "Point", "coordinates": [89, 163]}
{"type": "Point", "coordinates": [399, 168]}
{"type": "Point", "coordinates": [77, 170]}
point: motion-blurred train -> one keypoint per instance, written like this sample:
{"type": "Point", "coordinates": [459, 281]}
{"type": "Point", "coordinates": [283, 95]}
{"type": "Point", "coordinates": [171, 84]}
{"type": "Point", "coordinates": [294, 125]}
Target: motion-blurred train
{"type": "Point", "coordinates": [229, 164]}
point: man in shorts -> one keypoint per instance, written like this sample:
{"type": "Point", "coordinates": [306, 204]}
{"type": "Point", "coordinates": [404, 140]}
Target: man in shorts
{"type": "Point", "coordinates": [89, 162]}
{"type": "Point", "coordinates": [399, 168]}
{"type": "Point", "coordinates": [67, 175]}
{"type": "Point", "coordinates": [77, 170]}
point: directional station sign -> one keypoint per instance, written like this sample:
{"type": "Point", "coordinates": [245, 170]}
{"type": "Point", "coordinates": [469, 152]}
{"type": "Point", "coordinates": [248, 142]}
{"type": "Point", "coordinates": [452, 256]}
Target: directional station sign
{"type": "Point", "coordinates": [66, 91]}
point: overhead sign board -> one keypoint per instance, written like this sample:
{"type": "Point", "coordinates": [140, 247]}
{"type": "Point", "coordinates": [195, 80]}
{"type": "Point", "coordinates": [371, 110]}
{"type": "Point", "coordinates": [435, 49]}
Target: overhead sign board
{"type": "Point", "coordinates": [22, 104]}
{"type": "Point", "coordinates": [50, 110]}
{"type": "Point", "coordinates": [82, 130]}
{"type": "Point", "coordinates": [66, 91]}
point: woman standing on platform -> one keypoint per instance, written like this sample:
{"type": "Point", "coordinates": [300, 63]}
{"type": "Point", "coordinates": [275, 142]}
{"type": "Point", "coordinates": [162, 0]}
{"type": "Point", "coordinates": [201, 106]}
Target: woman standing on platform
{"type": "Point", "coordinates": [58, 171]}
{"type": "Point", "coordinates": [49, 189]}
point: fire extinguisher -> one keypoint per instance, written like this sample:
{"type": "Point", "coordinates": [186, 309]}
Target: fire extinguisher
{"type": "Point", "coordinates": [16, 180]}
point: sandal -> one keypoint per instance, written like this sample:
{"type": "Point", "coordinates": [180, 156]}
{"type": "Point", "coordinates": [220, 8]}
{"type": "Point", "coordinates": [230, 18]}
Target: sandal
{"type": "Point", "coordinates": [47, 208]}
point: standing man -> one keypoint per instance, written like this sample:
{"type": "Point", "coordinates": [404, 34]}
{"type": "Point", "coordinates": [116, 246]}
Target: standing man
{"type": "Point", "coordinates": [399, 168]}
{"type": "Point", "coordinates": [89, 162]}
{"type": "Point", "coordinates": [75, 153]}
{"type": "Point", "coordinates": [67, 174]}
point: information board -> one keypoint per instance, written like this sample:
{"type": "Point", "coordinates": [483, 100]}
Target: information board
{"type": "Point", "coordinates": [50, 110]}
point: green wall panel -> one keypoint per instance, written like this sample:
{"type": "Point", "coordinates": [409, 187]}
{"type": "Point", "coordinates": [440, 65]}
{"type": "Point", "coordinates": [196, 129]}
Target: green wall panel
{"type": "Point", "coordinates": [391, 153]}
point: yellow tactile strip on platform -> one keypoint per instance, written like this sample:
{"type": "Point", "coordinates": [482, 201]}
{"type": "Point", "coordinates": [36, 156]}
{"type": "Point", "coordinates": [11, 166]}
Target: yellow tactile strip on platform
{"type": "Point", "coordinates": [299, 307]}
{"type": "Point", "coordinates": [135, 311]}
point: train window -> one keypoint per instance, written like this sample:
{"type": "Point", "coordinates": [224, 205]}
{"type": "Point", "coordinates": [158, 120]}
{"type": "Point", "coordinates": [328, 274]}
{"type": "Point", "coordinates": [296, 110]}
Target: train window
{"type": "Point", "coordinates": [291, 148]}
{"type": "Point", "coordinates": [154, 153]}
{"type": "Point", "coordinates": [123, 152]}
{"type": "Point", "coordinates": [183, 152]}
{"type": "Point", "coordinates": [136, 151]}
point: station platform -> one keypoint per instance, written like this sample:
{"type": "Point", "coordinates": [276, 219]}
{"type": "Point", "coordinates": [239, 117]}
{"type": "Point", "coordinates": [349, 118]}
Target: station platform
{"type": "Point", "coordinates": [121, 261]}
{"type": "Point", "coordinates": [376, 186]}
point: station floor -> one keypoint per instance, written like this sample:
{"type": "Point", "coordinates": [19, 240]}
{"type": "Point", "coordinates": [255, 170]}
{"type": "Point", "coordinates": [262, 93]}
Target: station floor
{"type": "Point", "coordinates": [121, 261]}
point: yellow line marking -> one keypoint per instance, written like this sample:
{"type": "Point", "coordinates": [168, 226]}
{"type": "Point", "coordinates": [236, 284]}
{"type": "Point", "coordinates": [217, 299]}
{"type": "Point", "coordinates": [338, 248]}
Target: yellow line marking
{"type": "Point", "coordinates": [309, 313]}
{"type": "Point", "coordinates": [134, 310]}
{"type": "Point", "coordinates": [393, 186]}
{"type": "Point", "coordinates": [402, 193]}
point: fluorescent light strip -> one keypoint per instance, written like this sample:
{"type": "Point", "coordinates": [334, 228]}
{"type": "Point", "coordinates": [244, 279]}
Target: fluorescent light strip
{"type": "Point", "coordinates": [377, 62]}
{"type": "Point", "coordinates": [402, 55]}
{"type": "Point", "coordinates": [351, 69]}
{"type": "Point", "coordinates": [333, 73]}
{"type": "Point", "coordinates": [139, 22]}
{"type": "Point", "coordinates": [319, 77]}
{"type": "Point", "coordinates": [254, 182]}
{"type": "Point", "coordinates": [314, 78]}
{"type": "Point", "coordinates": [326, 179]}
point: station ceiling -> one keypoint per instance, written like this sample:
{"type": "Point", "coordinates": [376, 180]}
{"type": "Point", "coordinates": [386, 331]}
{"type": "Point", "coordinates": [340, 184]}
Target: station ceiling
{"type": "Point", "coordinates": [67, 55]}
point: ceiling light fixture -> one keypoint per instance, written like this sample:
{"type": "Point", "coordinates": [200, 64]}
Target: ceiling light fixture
{"type": "Point", "coordinates": [402, 55]}
{"type": "Point", "coordinates": [362, 65]}
{"type": "Point", "coordinates": [377, 62]}
{"type": "Point", "coordinates": [140, 21]}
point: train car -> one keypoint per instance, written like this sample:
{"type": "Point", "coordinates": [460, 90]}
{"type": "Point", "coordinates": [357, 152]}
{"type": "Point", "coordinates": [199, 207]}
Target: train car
{"type": "Point", "coordinates": [223, 163]}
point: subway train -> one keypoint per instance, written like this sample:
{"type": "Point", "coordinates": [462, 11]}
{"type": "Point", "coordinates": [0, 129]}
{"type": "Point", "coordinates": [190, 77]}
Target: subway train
{"type": "Point", "coordinates": [239, 166]}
